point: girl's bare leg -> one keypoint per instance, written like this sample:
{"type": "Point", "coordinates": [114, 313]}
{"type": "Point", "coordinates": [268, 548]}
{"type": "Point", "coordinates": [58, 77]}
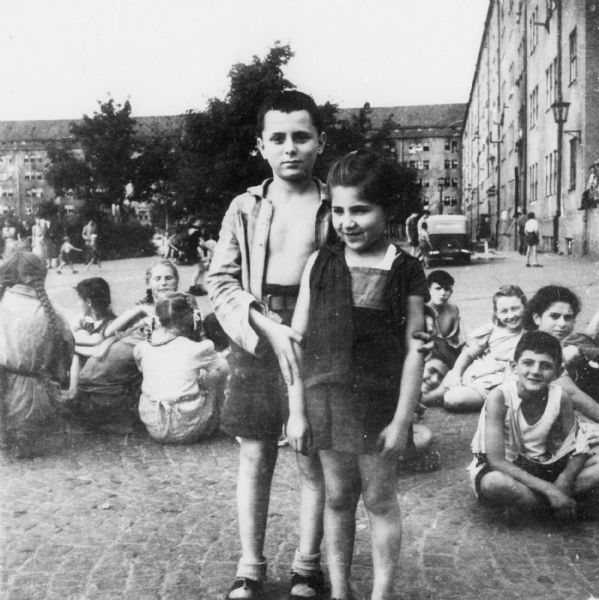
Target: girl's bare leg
{"type": "Point", "coordinates": [342, 483]}
{"type": "Point", "coordinates": [379, 492]}
{"type": "Point", "coordinates": [311, 504]}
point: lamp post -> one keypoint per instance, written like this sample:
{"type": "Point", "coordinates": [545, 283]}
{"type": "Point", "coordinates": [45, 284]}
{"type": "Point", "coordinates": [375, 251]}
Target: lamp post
{"type": "Point", "coordinates": [560, 115]}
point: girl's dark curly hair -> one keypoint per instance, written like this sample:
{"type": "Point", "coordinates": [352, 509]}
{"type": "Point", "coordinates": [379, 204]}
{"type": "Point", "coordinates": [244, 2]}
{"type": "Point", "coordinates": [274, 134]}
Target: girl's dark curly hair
{"type": "Point", "coordinates": [544, 298]}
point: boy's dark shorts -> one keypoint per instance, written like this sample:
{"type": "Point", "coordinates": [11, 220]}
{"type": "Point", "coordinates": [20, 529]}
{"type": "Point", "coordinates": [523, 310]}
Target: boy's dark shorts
{"type": "Point", "coordinates": [256, 407]}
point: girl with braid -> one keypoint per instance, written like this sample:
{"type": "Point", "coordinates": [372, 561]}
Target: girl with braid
{"type": "Point", "coordinates": [35, 354]}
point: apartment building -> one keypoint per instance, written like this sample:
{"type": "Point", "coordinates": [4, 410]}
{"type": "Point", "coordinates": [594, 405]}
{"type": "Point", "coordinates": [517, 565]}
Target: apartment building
{"type": "Point", "coordinates": [427, 138]}
{"type": "Point", "coordinates": [531, 138]}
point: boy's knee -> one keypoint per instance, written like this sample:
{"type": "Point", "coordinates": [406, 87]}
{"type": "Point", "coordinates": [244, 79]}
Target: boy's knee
{"type": "Point", "coordinates": [495, 485]}
{"type": "Point", "coordinates": [342, 499]}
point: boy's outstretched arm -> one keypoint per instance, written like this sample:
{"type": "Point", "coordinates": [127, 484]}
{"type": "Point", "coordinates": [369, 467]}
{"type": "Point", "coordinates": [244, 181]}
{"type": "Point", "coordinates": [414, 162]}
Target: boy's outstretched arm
{"type": "Point", "coordinates": [495, 411]}
{"type": "Point", "coordinates": [298, 427]}
{"type": "Point", "coordinates": [394, 438]}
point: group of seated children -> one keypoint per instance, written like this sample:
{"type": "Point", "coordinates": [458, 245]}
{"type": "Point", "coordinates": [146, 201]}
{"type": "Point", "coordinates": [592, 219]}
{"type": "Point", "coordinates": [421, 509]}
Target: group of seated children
{"type": "Point", "coordinates": [539, 424]}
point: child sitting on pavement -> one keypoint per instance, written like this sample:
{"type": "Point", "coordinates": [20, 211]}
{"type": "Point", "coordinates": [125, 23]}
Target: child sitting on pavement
{"type": "Point", "coordinates": [529, 451]}
{"type": "Point", "coordinates": [446, 317]}
{"type": "Point", "coordinates": [481, 365]}
{"type": "Point", "coordinates": [96, 314]}
{"type": "Point", "coordinates": [178, 402]}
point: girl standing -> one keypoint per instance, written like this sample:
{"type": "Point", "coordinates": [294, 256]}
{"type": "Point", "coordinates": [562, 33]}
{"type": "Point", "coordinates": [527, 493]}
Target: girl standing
{"type": "Point", "coordinates": [35, 353]}
{"type": "Point", "coordinates": [481, 365]}
{"type": "Point", "coordinates": [359, 303]}
{"type": "Point", "coordinates": [178, 401]}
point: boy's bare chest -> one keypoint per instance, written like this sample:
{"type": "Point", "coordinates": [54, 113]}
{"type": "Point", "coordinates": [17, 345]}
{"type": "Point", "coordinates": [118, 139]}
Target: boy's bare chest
{"type": "Point", "coordinates": [290, 242]}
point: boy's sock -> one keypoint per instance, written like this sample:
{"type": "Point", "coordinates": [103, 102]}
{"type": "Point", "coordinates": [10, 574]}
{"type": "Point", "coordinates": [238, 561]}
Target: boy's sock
{"type": "Point", "coordinates": [305, 564]}
{"type": "Point", "coordinates": [255, 571]}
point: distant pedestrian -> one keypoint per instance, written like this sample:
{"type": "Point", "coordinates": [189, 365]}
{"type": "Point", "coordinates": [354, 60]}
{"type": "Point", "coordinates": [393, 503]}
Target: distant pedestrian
{"type": "Point", "coordinates": [90, 237]}
{"type": "Point", "coordinates": [531, 231]}
{"type": "Point", "coordinates": [412, 233]}
{"type": "Point", "coordinates": [66, 254]}
{"type": "Point", "coordinates": [520, 223]}
{"type": "Point", "coordinates": [35, 354]}
{"type": "Point", "coordinates": [424, 242]}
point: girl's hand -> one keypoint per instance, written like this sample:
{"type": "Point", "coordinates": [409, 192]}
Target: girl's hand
{"type": "Point", "coordinates": [392, 441]}
{"type": "Point", "coordinates": [298, 433]}
{"type": "Point", "coordinates": [452, 380]}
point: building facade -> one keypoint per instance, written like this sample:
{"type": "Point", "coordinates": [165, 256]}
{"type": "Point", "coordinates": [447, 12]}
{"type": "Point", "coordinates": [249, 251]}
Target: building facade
{"type": "Point", "coordinates": [427, 138]}
{"type": "Point", "coordinates": [531, 138]}
{"type": "Point", "coordinates": [24, 160]}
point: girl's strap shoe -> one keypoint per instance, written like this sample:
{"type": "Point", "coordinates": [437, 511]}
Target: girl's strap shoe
{"type": "Point", "coordinates": [314, 586]}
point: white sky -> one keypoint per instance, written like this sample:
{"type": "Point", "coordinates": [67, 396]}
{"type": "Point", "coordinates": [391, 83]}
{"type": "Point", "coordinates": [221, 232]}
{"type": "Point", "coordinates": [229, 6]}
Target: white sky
{"type": "Point", "coordinates": [167, 56]}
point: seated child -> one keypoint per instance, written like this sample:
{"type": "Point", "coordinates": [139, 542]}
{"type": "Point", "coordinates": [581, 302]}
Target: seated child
{"type": "Point", "coordinates": [94, 299]}
{"type": "Point", "coordinates": [481, 365]}
{"type": "Point", "coordinates": [178, 402]}
{"type": "Point", "coordinates": [437, 364]}
{"type": "Point", "coordinates": [446, 317]}
{"type": "Point", "coordinates": [529, 451]}
{"type": "Point", "coordinates": [66, 254]}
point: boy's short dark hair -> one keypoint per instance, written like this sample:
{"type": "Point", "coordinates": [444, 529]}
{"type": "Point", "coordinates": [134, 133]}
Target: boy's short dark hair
{"type": "Point", "coordinates": [541, 343]}
{"type": "Point", "coordinates": [441, 278]}
{"type": "Point", "coordinates": [287, 102]}
{"type": "Point", "coordinates": [97, 291]}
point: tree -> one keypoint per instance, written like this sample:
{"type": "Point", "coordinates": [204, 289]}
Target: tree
{"type": "Point", "coordinates": [108, 143]}
{"type": "Point", "coordinates": [217, 160]}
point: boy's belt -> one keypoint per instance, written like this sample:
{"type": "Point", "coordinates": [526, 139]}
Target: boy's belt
{"type": "Point", "coordinates": [280, 303]}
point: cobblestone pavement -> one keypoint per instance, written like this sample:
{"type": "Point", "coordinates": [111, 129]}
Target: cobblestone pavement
{"type": "Point", "coordinates": [102, 516]}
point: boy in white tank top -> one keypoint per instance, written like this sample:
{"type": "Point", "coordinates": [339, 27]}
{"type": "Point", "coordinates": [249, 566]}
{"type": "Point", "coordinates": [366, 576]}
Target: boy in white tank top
{"type": "Point", "coordinates": [529, 451]}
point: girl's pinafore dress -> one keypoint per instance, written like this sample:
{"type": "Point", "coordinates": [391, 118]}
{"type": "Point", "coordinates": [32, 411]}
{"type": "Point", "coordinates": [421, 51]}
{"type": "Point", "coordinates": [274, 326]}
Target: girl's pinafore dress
{"type": "Point", "coordinates": [355, 346]}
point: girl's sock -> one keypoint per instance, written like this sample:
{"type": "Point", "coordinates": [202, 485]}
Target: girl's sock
{"type": "Point", "coordinates": [305, 564]}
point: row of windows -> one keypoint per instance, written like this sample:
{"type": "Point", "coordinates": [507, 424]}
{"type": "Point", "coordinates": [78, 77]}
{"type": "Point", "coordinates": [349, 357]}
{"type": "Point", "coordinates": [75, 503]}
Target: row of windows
{"type": "Point", "coordinates": [426, 164]}
{"type": "Point", "coordinates": [450, 146]}
{"type": "Point", "coordinates": [447, 181]}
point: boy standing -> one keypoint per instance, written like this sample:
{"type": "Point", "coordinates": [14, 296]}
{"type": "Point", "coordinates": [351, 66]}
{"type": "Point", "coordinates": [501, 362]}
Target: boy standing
{"type": "Point", "coordinates": [529, 452]}
{"type": "Point", "coordinates": [267, 235]}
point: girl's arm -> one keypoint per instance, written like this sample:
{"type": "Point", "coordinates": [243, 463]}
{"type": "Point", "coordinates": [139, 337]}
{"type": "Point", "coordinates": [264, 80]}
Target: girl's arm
{"type": "Point", "coordinates": [581, 401]}
{"type": "Point", "coordinates": [393, 439]}
{"type": "Point", "coordinates": [591, 328]}
{"type": "Point", "coordinates": [127, 319]}
{"type": "Point", "coordinates": [463, 361]}
{"type": "Point", "coordinates": [298, 428]}
{"type": "Point", "coordinates": [567, 478]}
{"type": "Point", "coordinates": [495, 411]}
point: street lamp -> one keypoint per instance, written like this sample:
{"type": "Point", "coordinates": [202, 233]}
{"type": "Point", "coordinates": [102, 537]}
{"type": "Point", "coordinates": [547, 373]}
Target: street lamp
{"type": "Point", "coordinates": [560, 114]}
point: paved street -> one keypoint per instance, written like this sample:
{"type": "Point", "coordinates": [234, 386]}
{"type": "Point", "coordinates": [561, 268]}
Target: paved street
{"type": "Point", "coordinates": [104, 516]}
